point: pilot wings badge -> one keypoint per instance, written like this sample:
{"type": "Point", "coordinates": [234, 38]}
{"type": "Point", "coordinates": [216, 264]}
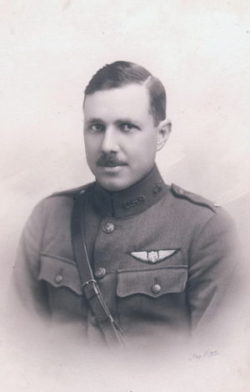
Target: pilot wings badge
{"type": "Point", "coordinates": [153, 256]}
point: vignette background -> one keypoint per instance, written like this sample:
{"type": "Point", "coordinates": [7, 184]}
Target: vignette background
{"type": "Point", "coordinates": [48, 52]}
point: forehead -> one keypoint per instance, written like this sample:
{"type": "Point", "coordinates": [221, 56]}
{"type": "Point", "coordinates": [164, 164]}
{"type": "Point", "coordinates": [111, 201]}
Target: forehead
{"type": "Point", "coordinates": [131, 100]}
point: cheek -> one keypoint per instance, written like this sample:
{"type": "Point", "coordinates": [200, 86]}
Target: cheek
{"type": "Point", "coordinates": [91, 145]}
{"type": "Point", "coordinates": [142, 153]}
{"type": "Point", "coordinates": [148, 145]}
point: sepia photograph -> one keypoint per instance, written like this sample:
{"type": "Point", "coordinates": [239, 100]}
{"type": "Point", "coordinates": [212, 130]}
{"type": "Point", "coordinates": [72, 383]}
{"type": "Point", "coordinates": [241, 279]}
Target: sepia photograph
{"type": "Point", "coordinates": [125, 196]}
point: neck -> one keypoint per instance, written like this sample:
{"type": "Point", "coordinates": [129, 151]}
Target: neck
{"type": "Point", "coordinates": [133, 200]}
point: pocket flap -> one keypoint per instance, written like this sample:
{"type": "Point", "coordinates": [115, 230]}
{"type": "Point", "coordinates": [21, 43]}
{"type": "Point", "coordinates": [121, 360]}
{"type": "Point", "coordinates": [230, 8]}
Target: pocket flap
{"type": "Point", "coordinates": [153, 282]}
{"type": "Point", "coordinates": [60, 272]}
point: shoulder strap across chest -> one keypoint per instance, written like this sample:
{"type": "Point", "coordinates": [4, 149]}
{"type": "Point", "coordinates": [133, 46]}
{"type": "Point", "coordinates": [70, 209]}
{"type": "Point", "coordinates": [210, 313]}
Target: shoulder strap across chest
{"type": "Point", "coordinates": [109, 328]}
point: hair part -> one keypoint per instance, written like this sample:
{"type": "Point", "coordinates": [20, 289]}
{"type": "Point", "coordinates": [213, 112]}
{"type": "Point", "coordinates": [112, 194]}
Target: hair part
{"type": "Point", "coordinates": [122, 73]}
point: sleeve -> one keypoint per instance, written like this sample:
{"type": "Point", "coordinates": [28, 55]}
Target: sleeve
{"type": "Point", "coordinates": [214, 258]}
{"type": "Point", "coordinates": [29, 292]}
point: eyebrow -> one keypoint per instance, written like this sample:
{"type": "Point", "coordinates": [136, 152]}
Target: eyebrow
{"type": "Point", "coordinates": [126, 120]}
{"type": "Point", "coordinates": [95, 120]}
{"type": "Point", "coordinates": [117, 122]}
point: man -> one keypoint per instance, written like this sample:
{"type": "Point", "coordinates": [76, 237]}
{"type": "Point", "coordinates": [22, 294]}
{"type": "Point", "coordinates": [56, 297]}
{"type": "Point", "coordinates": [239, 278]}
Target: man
{"type": "Point", "coordinates": [161, 257]}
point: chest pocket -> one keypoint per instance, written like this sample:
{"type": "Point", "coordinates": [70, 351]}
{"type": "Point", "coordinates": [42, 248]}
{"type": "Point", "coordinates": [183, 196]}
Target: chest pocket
{"type": "Point", "coordinates": [60, 272]}
{"type": "Point", "coordinates": [152, 282]}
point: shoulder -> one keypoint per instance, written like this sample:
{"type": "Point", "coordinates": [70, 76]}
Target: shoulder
{"type": "Point", "coordinates": [208, 226]}
{"type": "Point", "coordinates": [57, 204]}
{"type": "Point", "coordinates": [193, 198]}
{"type": "Point", "coordinates": [197, 210]}
{"type": "Point", "coordinates": [70, 193]}
{"type": "Point", "coordinates": [66, 196]}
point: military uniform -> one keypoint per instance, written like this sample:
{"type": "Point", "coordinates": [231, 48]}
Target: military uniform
{"type": "Point", "coordinates": [163, 258]}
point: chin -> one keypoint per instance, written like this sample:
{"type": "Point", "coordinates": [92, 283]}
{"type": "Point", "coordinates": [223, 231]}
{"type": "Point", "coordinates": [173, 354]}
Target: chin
{"type": "Point", "coordinates": [114, 185]}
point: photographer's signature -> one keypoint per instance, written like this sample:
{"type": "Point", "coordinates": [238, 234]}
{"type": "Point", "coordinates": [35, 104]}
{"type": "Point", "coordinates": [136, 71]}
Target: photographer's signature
{"type": "Point", "coordinates": [205, 354]}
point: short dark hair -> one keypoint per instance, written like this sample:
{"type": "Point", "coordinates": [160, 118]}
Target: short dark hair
{"type": "Point", "coordinates": [121, 73]}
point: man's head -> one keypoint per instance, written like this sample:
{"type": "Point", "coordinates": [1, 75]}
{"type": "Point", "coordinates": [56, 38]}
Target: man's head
{"type": "Point", "coordinates": [125, 123]}
{"type": "Point", "coordinates": [122, 73]}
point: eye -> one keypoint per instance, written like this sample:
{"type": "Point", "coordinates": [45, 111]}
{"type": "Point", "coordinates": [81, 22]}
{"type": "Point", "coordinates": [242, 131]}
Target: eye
{"type": "Point", "coordinates": [96, 127]}
{"type": "Point", "coordinates": [127, 126]}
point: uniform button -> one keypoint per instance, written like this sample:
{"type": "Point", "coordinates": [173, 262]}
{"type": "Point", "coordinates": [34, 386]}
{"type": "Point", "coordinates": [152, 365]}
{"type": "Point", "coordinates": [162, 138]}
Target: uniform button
{"type": "Point", "coordinates": [108, 227]}
{"type": "Point", "coordinates": [156, 288]}
{"type": "Point", "coordinates": [58, 278]}
{"type": "Point", "coordinates": [156, 189]}
{"type": "Point", "coordinates": [100, 272]}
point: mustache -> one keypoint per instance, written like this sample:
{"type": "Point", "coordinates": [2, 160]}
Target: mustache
{"type": "Point", "coordinates": [109, 160]}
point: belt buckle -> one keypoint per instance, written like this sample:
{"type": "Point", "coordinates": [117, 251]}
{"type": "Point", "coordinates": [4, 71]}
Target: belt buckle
{"type": "Point", "coordinates": [90, 288]}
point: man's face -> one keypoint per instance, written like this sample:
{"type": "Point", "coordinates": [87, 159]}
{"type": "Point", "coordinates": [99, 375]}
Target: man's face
{"type": "Point", "coordinates": [120, 136]}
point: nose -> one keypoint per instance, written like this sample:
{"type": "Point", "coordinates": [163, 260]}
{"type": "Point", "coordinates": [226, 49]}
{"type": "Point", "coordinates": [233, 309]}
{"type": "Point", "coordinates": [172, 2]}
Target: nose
{"type": "Point", "coordinates": [109, 142]}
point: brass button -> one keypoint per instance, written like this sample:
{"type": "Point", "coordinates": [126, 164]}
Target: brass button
{"type": "Point", "coordinates": [156, 288]}
{"type": "Point", "coordinates": [58, 278]}
{"type": "Point", "coordinates": [100, 272]}
{"type": "Point", "coordinates": [108, 227]}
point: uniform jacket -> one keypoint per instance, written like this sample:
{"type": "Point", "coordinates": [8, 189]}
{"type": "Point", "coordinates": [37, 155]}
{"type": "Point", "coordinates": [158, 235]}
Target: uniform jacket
{"type": "Point", "coordinates": [163, 258]}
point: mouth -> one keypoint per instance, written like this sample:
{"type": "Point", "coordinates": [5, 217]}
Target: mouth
{"type": "Point", "coordinates": [112, 164]}
{"type": "Point", "coordinates": [113, 169]}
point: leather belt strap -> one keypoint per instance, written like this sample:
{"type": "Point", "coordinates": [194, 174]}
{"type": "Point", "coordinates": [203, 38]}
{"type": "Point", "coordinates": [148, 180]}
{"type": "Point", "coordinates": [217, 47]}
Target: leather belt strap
{"type": "Point", "coordinates": [108, 326]}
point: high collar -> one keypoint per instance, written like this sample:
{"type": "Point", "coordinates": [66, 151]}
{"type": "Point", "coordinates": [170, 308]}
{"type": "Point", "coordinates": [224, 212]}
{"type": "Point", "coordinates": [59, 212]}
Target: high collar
{"type": "Point", "coordinates": [132, 200]}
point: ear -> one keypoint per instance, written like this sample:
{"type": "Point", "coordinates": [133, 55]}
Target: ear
{"type": "Point", "coordinates": [163, 131]}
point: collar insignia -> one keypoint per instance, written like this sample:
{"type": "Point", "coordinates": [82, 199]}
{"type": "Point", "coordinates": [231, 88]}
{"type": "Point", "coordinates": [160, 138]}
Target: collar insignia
{"type": "Point", "coordinates": [153, 256]}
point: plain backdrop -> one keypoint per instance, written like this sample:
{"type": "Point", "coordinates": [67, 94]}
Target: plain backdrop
{"type": "Point", "coordinates": [50, 49]}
